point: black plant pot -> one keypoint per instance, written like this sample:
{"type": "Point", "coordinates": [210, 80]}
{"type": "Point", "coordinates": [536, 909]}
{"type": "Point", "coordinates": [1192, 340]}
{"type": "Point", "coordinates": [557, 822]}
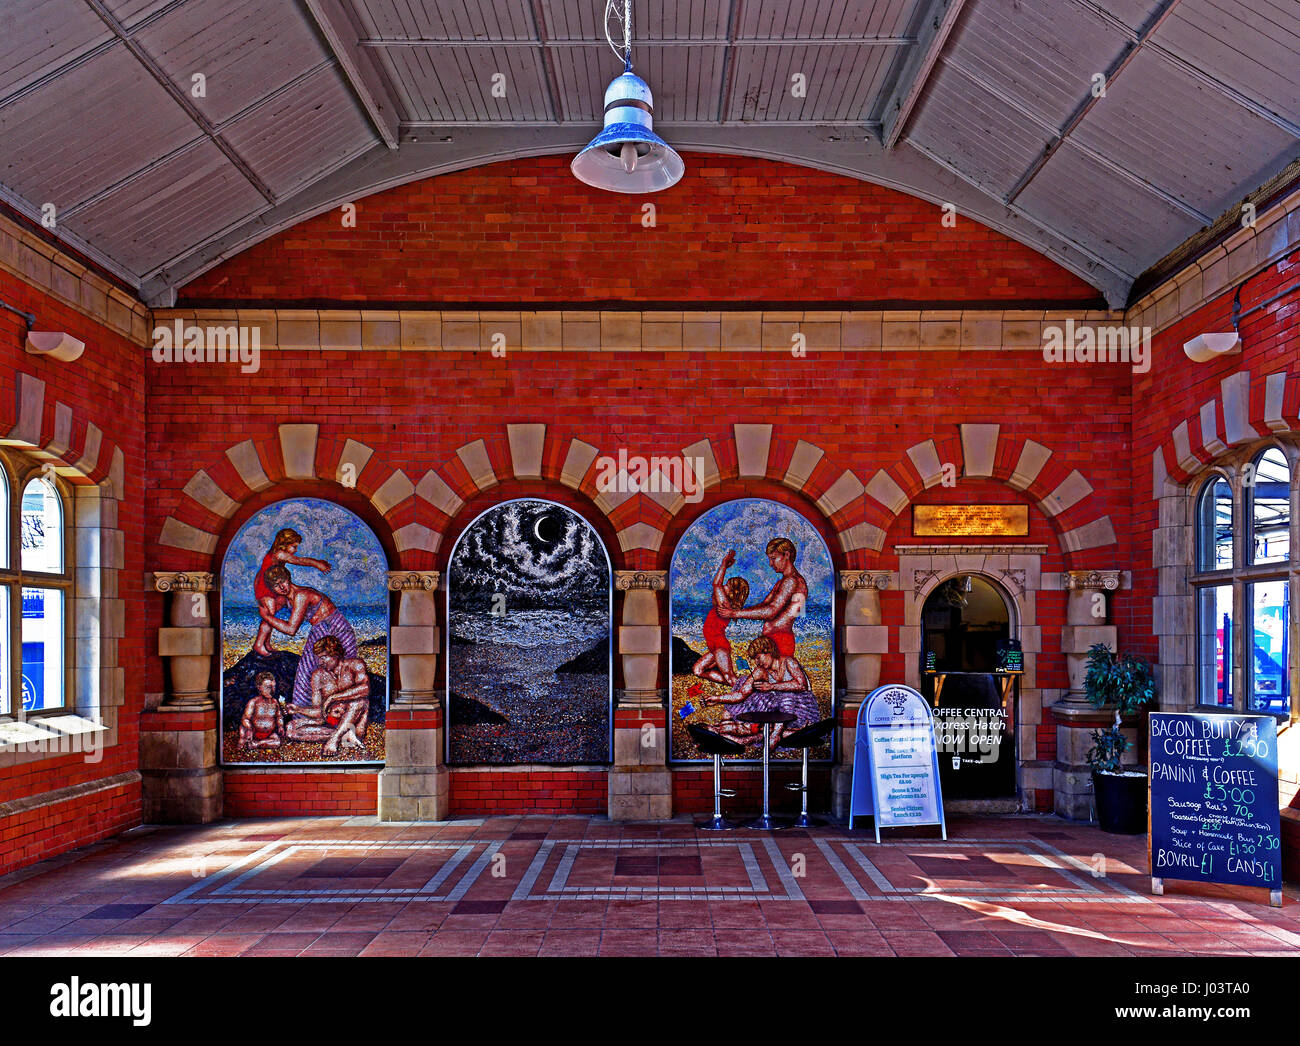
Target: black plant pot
{"type": "Point", "coordinates": [1121, 802]}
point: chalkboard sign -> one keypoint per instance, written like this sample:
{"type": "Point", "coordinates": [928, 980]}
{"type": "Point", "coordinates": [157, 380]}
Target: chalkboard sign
{"type": "Point", "coordinates": [1214, 800]}
{"type": "Point", "coordinates": [895, 762]}
{"type": "Point", "coordinates": [1011, 658]}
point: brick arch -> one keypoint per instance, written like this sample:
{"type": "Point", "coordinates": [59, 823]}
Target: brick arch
{"type": "Point", "coordinates": [1246, 409]}
{"type": "Point", "coordinates": [56, 432]}
{"type": "Point", "coordinates": [758, 453]}
{"type": "Point", "coordinates": [296, 453]}
{"type": "Point", "coordinates": [983, 451]}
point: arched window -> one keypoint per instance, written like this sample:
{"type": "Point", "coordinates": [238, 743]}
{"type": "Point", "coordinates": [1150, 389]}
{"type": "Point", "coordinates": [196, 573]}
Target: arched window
{"type": "Point", "coordinates": [1214, 521]}
{"type": "Point", "coordinates": [529, 670]}
{"type": "Point", "coordinates": [1267, 484]}
{"type": "Point", "coordinates": [304, 638]}
{"type": "Point", "coordinates": [1243, 598]}
{"type": "Point", "coordinates": [35, 594]}
{"type": "Point", "coordinates": [752, 598]}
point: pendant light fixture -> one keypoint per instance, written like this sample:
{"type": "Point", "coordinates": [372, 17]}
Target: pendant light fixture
{"type": "Point", "coordinates": [627, 156]}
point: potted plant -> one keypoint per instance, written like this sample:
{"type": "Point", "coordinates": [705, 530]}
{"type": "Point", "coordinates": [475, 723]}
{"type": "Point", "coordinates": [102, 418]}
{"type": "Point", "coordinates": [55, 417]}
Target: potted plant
{"type": "Point", "coordinates": [1126, 684]}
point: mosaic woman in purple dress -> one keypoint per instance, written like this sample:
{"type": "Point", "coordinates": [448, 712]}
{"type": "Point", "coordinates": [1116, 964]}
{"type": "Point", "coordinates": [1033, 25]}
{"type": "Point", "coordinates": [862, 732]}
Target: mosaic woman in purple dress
{"type": "Point", "coordinates": [776, 681]}
{"type": "Point", "coordinates": [316, 608]}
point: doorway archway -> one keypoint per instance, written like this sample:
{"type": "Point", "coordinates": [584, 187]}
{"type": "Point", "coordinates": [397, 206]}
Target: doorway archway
{"type": "Point", "coordinates": [968, 622]}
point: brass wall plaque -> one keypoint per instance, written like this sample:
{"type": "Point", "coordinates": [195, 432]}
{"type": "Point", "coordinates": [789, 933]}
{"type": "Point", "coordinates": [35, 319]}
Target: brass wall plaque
{"type": "Point", "coordinates": [969, 521]}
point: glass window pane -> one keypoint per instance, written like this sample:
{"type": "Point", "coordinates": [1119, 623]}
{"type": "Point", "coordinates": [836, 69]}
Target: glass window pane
{"type": "Point", "coordinates": [1270, 491]}
{"type": "Point", "coordinates": [1214, 527]}
{"type": "Point", "coordinates": [42, 523]}
{"type": "Point", "coordinates": [42, 649]}
{"type": "Point", "coordinates": [1270, 605]}
{"type": "Point", "coordinates": [1214, 656]}
{"type": "Point", "coordinates": [4, 519]}
{"type": "Point", "coordinates": [5, 707]}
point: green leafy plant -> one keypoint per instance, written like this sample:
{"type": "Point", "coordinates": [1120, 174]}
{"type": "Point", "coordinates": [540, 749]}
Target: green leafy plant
{"type": "Point", "coordinates": [1123, 680]}
{"type": "Point", "coordinates": [1108, 746]}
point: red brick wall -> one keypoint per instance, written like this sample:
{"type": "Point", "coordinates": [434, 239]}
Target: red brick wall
{"type": "Point", "coordinates": [733, 230]}
{"type": "Point", "coordinates": [736, 230]}
{"type": "Point", "coordinates": [265, 793]}
{"type": "Point", "coordinates": [106, 387]}
{"type": "Point", "coordinates": [552, 791]}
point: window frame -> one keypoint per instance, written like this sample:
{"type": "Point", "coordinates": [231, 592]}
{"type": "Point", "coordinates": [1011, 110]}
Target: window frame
{"type": "Point", "coordinates": [1242, 575]}
{"type": "Point", "coordinates": [19, 470]}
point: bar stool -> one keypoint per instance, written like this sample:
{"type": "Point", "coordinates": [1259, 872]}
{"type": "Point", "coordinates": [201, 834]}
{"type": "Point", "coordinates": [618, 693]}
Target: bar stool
{"type": "Point", "coordinates": [717, 746]}
{"type": "Point", "coordinates": [769, 718]}
{"type": "Point", "coordinates": [806, 737]}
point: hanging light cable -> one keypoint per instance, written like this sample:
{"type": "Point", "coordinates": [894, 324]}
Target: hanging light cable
{"type": "Point", "coordinates": [627, 156]}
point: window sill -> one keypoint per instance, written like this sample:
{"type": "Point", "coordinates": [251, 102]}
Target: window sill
{"type": "Point", "coordinates": [46, 728]}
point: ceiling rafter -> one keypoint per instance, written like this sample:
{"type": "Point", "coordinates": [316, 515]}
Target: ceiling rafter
{"type": "Point", "coordinates": [193, 143]}
{"type": "Point", "coordinates": [1118, 169]}
{"type": "Point", "coordinates": [1112, 73]}
{"type": "Point", "coordinates": [370, 89]}
{"type": "Point", "coordinates": [1180, 63]}
{"type": "Point", "coordinates": [86, 56]}
{"type": "Point", "coordinates": [548, 60]}
{"type": "Point", "coordinates": [179, 96]}
{"type": "Point", "coordinates": [933, 34]}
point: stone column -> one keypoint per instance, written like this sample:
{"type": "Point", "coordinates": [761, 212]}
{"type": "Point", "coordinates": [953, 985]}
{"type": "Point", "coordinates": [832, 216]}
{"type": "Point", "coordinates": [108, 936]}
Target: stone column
{"type": "Point", "coordinates": [1086, 610]}
{"type": "Point", "coordinates": [414, 784]}
{"type": "Point", "coordinates": [865, 639]}
{"type": "Point", "coordinates": [640, 784]}
{"type": "Point", "coordinates": [180, 741]}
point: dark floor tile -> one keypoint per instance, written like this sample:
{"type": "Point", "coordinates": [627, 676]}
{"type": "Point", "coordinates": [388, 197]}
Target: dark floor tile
{"type": "Point", "coordinates": [637, 865]}
{"type": "Point", "coordinates": [835, 907]}
{"type": "Point", "coordinates": [680, 866]}
{"type": "Point", "coordinates": [117, 911]}
{"type": "Point", "coordinates": [480, 908]}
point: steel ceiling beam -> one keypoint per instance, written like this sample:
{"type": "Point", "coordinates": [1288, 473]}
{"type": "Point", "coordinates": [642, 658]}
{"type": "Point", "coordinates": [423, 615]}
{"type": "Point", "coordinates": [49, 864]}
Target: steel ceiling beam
{"type": "Point", "coordinates": [915, 73]}
{"type": "Point", "coordinates": [340, 36]}
{"type": "Point", "coordinates": [727, 82]}
{"type": "Point", "coordinates": [179, 96]}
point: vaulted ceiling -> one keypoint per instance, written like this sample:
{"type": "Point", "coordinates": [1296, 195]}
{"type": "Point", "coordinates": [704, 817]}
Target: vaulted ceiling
{"type": "Point", "coordinates": [169, 134]}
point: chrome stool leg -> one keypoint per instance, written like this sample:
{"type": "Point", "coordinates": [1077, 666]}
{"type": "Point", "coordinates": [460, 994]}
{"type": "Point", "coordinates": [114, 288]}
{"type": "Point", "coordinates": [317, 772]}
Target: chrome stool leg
{"type": "Point", "coordinates": [803, 820]}
{"type": "Point", "coordinates": [718, 823]}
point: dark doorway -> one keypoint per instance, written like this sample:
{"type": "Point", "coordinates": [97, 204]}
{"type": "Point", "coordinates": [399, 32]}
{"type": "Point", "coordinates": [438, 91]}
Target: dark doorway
{"type": "Point", "coordinates": [963, 623]}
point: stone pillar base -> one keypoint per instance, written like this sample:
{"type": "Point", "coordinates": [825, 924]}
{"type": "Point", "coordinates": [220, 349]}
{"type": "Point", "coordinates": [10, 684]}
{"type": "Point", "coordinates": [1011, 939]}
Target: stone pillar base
{"type": "Point", "coordinates": [181, 780]}
{"type": "Point", "coordinates": [181, 796]}
{"type": "Point", "coordinates": [414, 793]}
{"type": "Point", "coordinates": [415, 784]}
{"type": "Point", "coordinates": [640, 794]}
{"type": "Point", "coordinates": [841, 789]}
{"type": "Point", "coordinates": [1071, 775]}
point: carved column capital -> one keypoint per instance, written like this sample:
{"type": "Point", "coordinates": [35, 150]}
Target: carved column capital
{"type": "Point", "coordinates": [183, 581]}
{"type": "Point", "coordinates": [651, 580]}
{"type": "Point", "coordinates": [1091, 580]}
{"type": "Point", "coordinates": [413, 580]}
{"type": "Point", "coordinates": [851, 580]}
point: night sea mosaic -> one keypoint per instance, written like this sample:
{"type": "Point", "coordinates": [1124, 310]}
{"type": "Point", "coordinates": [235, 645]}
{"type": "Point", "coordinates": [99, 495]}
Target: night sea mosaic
{"type": "Point", "coordinates": [528, 647]}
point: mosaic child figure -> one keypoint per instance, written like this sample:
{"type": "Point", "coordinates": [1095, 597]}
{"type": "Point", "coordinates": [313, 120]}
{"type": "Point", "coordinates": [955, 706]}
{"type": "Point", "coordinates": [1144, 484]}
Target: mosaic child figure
{"type": "Point", "coordinates": [786, 602]}
{"type": "Point", "coordinates": [727, 592]}
{"type": "Point", "coordinates": [284, 549]}
{"type": "Point", "coordinates": [777, 680]}
{"type": "Point", "coordinates": [339, 710]}
{"type": "Point", "coordinates": [263, 718]}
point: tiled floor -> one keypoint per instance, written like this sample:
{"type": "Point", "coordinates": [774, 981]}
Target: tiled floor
{"type": "Point", "coordinates": [584, 886]}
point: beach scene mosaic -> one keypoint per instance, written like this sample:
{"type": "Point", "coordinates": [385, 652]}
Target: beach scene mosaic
{"type": "Point", "coordinates": [304, 638]}
{"type": "Point", "coordinates": [752, 590]}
